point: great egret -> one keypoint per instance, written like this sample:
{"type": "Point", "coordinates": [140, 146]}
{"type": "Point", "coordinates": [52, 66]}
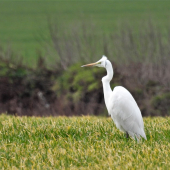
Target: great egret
{"type": "Point", "coordinates": [120, 104]}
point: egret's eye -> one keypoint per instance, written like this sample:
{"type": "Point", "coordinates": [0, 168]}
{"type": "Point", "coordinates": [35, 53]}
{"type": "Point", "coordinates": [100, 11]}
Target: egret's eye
{"type": "Point", "coordinates": [99, 62]}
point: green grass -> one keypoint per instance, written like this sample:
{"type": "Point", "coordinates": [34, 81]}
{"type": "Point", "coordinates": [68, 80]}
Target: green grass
{"type": "Point", "coordinates": [80, 143]}
{"type": "Point", "coordinates": [24, 24]}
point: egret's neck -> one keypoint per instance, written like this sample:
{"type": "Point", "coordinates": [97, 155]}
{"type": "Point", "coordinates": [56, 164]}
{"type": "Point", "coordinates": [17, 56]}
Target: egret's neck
{"type": "Point", "coordinates": [106, 83]}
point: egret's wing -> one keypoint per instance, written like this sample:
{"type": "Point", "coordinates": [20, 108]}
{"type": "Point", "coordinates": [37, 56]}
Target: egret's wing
{"type": "Point", "coordinates": [125, 112]}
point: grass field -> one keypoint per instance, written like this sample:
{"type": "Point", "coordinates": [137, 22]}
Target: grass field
{"type": "Point", "coordinates": [80, 143]}
{"type": "Point", "coordinates": [24, 24]}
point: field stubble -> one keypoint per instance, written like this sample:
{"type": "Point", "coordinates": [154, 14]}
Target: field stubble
{"type": "Point", "coordinates": [81, 143]}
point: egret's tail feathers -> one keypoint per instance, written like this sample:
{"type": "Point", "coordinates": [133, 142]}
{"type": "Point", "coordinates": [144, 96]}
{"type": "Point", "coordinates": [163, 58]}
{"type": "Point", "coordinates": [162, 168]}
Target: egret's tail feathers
{"type": "Point", "coordinates": [143, 134]}
{"type": "Point", "coordinates": [138, 136]}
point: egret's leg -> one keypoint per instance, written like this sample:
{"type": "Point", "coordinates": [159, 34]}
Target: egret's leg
{"type": "Point", "coordinates": [127, 135]}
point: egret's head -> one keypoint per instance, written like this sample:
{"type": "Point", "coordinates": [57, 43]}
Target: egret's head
{"type": "Point", "coordinates": [101, 63]}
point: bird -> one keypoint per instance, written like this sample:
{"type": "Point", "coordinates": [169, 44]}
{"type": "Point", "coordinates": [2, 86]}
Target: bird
{"type": "Point", "coordinates": [120, 104]}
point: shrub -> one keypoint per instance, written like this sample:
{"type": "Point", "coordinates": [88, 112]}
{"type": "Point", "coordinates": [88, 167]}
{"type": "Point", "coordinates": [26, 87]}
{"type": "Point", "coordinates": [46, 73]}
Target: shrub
{"type": "Point", "coordinates": [161, 104]}
{"type": "Point", "coordinates": [80, 88]}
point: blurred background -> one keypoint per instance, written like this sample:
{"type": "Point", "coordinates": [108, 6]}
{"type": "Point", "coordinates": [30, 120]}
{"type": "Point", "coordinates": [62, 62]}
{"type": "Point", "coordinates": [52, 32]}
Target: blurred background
{"type": "Point", "coordinates": [44, 43]}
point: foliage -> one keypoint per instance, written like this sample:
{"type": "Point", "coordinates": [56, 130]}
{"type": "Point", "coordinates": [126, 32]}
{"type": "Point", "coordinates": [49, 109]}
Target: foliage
{"type": "Point", "coordinates": [12, 71]}
{"type": "Point", "coordinates": [75, 82]}
{"type": "Point", "coordinates": [140, 60]}
{"type": "Point", "coordinates": [80, 90]}
{"type": "Point", "coordinates": [22, 89]}
{"type": "Point", "coordinates": [81, 143]}
{"type": "Point", "coordinates": [43, 91]}
{"type": "Point", "coordinates": [162, 103]}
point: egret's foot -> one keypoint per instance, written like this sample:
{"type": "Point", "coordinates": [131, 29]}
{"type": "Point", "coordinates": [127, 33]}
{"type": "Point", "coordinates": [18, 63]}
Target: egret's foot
{"type": "Point", "coordinates": [127, 135]}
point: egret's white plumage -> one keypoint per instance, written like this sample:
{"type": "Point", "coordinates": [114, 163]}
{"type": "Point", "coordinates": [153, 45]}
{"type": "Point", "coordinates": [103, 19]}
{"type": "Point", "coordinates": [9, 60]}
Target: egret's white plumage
{"type": "Point", "coordinates": [120, 104]}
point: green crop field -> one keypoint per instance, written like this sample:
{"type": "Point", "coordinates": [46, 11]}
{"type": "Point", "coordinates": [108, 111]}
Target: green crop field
{"type": "Point", "coordinates": [81, 143]}
{"type": "Point", "coordinates": [24, 25]}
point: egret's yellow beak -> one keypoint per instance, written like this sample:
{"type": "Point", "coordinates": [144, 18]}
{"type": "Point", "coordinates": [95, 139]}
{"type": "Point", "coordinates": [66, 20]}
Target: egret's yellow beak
{"type": "Point", "coordinates": [91, 64]}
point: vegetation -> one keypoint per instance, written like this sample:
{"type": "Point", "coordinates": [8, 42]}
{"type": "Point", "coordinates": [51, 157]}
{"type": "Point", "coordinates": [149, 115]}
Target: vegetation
{"type": "Point", "coordinates": [162, 103]}
{"type": "Point", "coordinates": [25, 24]}
{"type": "Point", "coordinates": [42, 46]}
{"type": "Point", "coordinates": [69, 89]}
{"type": "Point", "coordinates": [80, 143]}
{"type": "Point", "coordinates": [55, 84]}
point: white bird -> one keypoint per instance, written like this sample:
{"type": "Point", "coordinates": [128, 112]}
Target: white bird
{"type": "Point", "coordinates": [120, 104]}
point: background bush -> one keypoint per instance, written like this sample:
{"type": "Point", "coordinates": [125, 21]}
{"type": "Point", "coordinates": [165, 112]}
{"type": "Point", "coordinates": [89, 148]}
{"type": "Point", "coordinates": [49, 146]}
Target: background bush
{"type": "Point", "coordinates": [140, 60]}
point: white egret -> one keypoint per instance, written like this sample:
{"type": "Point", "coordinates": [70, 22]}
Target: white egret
{"type": "Point", "coordinates": [120, 104]}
